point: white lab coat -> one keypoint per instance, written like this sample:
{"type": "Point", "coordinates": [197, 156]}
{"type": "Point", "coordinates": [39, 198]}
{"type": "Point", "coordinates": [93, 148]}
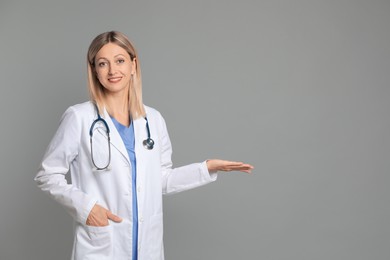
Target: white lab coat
{"type": "Point", "coordinates": [69, 151]}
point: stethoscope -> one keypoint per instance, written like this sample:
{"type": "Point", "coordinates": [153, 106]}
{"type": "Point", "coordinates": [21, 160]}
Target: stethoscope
{"type": "Point", "coordinates": [148, 143]}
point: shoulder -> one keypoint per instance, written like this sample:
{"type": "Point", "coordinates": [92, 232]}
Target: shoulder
{"type": "Point", "coordinates": [83, 108]}
{"type": "Point", "coordinates": [80, 112]}
{"type": "Point", "coordinates": [153, 115]}
{"type": "Point", "coordinates": [152, 112]}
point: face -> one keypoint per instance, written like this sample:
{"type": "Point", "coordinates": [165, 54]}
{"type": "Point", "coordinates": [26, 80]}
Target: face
{"type": "Point", "coordinates": [114, 68]}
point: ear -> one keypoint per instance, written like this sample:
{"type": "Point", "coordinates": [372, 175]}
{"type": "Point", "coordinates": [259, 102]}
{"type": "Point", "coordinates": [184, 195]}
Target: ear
{"type": "Point", "coordinates": [133, 66]}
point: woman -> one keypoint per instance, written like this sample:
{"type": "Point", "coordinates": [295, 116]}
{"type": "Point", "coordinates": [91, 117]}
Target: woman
{"type": "Point", "coordinates": [118, 153]}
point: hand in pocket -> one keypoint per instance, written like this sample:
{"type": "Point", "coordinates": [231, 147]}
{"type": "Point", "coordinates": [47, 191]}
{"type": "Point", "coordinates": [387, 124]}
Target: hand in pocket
{"type": "Point", "coordinates": [99, 216]}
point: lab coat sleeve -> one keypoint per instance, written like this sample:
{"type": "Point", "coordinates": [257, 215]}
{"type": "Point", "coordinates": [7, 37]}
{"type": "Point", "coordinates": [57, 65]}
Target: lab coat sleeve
{"type": "Point", "coordinates": [183, 178]}
{"type": "Point", "coordinates": [62, 151]}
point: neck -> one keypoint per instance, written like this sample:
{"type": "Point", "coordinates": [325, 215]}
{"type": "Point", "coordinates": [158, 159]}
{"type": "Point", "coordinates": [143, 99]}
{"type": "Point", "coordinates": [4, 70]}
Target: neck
{"type": "Point", "coordinates": [118, 107]}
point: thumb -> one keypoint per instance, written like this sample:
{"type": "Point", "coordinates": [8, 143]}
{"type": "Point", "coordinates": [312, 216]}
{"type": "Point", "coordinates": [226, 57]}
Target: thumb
{"type": "Point", "coordinates": [113, 217]}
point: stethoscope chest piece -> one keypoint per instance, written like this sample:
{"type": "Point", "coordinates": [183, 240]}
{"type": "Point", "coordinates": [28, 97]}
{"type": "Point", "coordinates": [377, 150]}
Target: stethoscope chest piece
{"type": "Point", "coordinates": [148, 143]}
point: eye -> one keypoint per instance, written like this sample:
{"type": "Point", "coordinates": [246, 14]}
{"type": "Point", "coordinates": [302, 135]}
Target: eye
{"type": "Point", "coordinates": [120, 61]}
{"type": "Point", "coordinates": [102, 64]}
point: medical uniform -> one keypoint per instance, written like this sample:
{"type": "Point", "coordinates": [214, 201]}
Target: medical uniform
{"type": "Point", "coordinates": [127, 135]}
{"type": "Point", "coordinates": [69, 151]}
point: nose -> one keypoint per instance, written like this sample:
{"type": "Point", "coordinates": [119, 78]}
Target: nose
{"type": "Point", "coordinates": [111, 70]}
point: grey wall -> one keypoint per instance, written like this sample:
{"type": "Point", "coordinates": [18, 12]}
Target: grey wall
{"type": "Point", "coordinates": [298, 88]}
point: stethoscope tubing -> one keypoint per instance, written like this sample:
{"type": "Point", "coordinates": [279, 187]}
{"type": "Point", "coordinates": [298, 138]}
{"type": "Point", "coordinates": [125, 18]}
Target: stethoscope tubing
{"type": "Point", "coordinates": [147, 143]}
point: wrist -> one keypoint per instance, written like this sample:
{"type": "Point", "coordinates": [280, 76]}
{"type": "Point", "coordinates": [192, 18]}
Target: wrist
{"type": "Point", "coordinates": [210, 166]}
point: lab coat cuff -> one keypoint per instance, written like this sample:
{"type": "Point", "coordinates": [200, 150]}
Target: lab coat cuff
{"type": "Point", "coordinates": [85, 213]}
{"type": "Point", "coordinates": [205, 170]}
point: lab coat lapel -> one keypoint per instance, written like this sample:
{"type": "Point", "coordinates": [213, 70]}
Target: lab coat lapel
{"type": "Point", "coordinates": [115, 138]}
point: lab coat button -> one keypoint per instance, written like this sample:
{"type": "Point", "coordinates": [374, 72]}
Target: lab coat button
{"type": "Point", "coordinates": [139, 189]}
{"type": "Point", "coordinates": [141, 220]}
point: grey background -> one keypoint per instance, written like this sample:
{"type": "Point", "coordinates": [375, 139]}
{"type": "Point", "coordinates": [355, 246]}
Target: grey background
{"type": "Point", "coordinates": [300, 89]}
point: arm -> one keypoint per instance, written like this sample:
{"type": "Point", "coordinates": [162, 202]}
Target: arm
{"type": "Point", "coordinates": [193, 175]}
{"type": "Point", "coordinates": [61, 152]}
{"type": "Point", "coordinates": [182, 178]}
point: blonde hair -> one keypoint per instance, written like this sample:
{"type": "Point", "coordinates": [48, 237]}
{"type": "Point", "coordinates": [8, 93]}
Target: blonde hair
{"type": "Point", "coordinates": [96, 90]}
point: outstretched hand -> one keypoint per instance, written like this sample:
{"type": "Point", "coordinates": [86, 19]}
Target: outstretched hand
{"type": "Point", "coordinates": [215, 165]}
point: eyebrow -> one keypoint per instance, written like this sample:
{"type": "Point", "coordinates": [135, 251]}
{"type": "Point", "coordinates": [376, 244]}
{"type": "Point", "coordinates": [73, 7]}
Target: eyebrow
{"type": "Point", "coordinates": [114, 57]}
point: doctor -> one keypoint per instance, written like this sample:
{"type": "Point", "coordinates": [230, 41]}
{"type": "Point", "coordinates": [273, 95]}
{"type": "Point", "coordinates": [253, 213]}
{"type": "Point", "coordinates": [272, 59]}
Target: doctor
{"type": "Point", "coordinates": [118, 153]}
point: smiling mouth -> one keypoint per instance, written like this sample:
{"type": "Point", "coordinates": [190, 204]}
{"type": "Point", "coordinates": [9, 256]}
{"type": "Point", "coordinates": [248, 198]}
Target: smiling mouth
{"type": "Point", "coordinates": [114, 80]}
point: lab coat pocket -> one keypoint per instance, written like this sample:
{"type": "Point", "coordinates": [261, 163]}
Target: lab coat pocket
{"type": "Point", "coordinates": [93, 242]}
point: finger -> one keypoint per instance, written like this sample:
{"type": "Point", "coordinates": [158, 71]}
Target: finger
{"type": "Point", "coordinates": [97, 221]}
{"type": "Point", "coordinates": [244, 166]}
{"type": "Point", "coordinates": [241, 168]}
{"type": "Point", "coordinates": [231, 163]}
{"type": "Point", "coordinates": [246, 171]}
{"type": "Point", "coordinates": [241, 165]}
{"type": "Point", "coordinates": [238, 165]}
{"type": "Point", "coordinates": [228, 166]}
{"type": "Point", "coordinates": [113, 217]}
{"type": "Point", "coordinates": [97, 217]}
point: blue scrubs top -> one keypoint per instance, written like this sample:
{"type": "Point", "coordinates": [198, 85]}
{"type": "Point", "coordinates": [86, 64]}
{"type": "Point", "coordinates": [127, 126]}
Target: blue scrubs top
{"type": "Point", "coordinates": [127, 134]}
